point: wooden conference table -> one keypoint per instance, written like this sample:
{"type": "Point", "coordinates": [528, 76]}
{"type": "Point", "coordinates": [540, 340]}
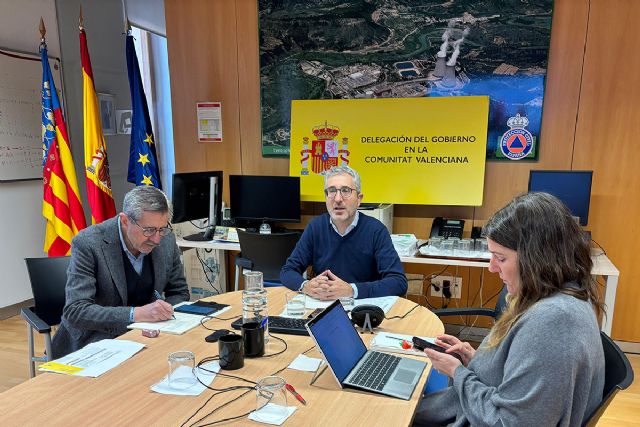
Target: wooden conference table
{"type": "Point", "coordinates": [122, 396]}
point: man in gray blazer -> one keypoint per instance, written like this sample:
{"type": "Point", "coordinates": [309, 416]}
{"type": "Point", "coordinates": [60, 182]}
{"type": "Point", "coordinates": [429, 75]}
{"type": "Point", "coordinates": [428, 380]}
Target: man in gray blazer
{"type": "Point", "coordinates": [118, 272]}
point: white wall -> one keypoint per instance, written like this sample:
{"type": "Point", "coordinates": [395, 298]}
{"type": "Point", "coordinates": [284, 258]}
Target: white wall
{"type": "Point", "coordinates": [21, 221]}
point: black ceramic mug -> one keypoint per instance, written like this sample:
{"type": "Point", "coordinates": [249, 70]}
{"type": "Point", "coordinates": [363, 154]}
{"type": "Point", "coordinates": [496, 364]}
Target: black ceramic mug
{"type": "Point", "coordinates": [253, 339]}
{"type": "Point", "coordinates": [231, 352]}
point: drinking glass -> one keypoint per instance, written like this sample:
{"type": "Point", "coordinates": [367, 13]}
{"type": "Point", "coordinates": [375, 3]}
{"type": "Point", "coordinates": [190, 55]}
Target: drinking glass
{"type": "Point", "coordinates": [295, 304]}
{"type": "Point", "coordinates": [455, 243]}
{"type": "Point", "coordinates": [347, 303]}
{"type": "Point", "coordinates": [435, 241]}
{"type": "Point", "coordinates": [481, 245]}
{"type": "Point", "coordinates": [181, 369]}
{"type": "Point", "coordinates": [252, 280]}
{"type": "Point", "coordinates": [446, 247]}
{"type": "Point", "coordinates": [271, 391]}
{"type": "Point", "coordinates": [464, 247]}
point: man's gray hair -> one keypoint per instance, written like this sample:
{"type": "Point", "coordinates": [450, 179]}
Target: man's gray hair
{"type": "Point", "coordinates": [146, 199]}
{"type": "Point", "coordinates": [343, 170]}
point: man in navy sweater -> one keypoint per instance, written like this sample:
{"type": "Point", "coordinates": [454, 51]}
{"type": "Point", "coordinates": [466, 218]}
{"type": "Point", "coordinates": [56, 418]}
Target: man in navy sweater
{"type": "Point", "coordinates": [351, 254]}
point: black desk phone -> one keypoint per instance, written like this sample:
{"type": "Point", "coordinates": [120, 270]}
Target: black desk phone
{"type": "Point", "coordinates": [446, 228]}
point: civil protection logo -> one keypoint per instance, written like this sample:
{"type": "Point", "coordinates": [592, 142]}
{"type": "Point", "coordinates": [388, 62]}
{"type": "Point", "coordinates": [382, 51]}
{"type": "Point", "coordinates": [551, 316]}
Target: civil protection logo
{"type": "Point", "coordinates": [517, 142]}
{"type": "Point", "coordinates": [325, 151]}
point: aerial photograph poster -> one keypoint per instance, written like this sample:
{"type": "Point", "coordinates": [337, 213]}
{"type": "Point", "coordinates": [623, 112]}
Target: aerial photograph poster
{"type": "Point", "coordinates": [355, 49]}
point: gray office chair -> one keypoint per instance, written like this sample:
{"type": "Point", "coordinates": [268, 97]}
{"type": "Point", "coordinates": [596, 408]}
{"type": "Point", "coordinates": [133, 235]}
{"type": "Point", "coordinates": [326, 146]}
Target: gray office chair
{"type": "Point", "coordinates": [618, 375]}
{"type": "Point", "coordinates": [266, 253]}
{"type": "Point", "coordinates": [494, 313]}
{"type": "Point", "coordinates": [48, 278]}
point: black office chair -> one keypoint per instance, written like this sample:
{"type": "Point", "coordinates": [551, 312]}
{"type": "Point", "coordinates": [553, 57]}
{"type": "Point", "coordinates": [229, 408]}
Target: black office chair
{"type": "Point", "coordinates": [266, 253]}
{"type": "Point", "coordinates": [618, 375]}
{"type": "Point", "coordinates": [494, 313]}
{"type": "Point", "coordinates": [48, 278]}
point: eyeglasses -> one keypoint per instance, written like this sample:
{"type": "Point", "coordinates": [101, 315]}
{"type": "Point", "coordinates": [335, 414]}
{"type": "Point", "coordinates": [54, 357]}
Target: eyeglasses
{"type": "Point", "coordinates": [345, 192]}
{"type": "Point", "coordinates": [151, 231]}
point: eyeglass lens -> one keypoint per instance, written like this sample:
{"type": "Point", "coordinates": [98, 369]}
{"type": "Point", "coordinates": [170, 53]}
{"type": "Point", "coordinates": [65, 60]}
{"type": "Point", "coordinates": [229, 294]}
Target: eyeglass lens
{"type": "Point", "coordinates": [345, 192]}
{"type": "Point", "coordinates": [148, 232]}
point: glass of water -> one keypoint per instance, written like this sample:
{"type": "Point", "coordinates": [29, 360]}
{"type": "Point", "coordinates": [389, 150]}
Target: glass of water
{"type": "Point", "coordinates": [295, 304]}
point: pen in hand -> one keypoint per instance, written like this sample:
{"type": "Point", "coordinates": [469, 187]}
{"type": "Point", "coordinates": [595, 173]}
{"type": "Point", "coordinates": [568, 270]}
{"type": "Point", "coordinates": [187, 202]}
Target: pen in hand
{"type": "Point", "coordinates": [159, 297]}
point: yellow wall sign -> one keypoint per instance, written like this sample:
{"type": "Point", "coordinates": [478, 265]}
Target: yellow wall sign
{"type": "Point", "coordinates": [407, 150]}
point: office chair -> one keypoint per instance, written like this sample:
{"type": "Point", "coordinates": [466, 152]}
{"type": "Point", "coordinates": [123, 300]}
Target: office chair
{"type": "Point", "coordinates": [48, 278]}
{"type": "Point", "coordinates": [618, 375]}
{"type": "Point", "coordinates": [495, 313]}
{"type": "Point", "coordinates": [266, 253]}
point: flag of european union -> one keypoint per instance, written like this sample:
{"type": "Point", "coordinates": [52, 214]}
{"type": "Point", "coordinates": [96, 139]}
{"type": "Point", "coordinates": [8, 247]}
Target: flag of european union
{"type": "Point", "coordinates": [143, 160]}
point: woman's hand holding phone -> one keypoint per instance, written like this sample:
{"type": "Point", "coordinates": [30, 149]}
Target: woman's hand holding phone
{"type": "Point", "coordinates": [464, 349]}
{"type": "Point", "coordinates": [421, 344]}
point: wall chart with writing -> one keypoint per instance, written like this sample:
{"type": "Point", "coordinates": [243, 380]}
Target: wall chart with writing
{"type": "Point", "coordinates": [20, 114]}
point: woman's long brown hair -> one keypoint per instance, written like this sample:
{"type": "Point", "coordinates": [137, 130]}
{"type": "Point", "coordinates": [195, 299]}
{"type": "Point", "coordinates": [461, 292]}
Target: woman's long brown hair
{"type": "Point", "coordinates": [552, 251]}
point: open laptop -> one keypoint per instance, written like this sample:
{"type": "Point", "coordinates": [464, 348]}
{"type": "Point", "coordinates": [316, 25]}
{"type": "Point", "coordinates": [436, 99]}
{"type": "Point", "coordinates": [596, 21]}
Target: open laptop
{"type": "Point", "coordinates": [353, 365]}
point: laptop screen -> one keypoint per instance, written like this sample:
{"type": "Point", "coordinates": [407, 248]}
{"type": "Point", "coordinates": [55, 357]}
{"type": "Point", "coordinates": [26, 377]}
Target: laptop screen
{"type": "Point", "coordinates": [337, 338]}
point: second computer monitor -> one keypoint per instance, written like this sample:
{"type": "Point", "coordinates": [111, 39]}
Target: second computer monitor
{"type": "Point", "coordinates": [192, 199]}
{"type": "Point", "coordinates": [264, 199]}
{"type": "Point", "coordinates": [573, 188]}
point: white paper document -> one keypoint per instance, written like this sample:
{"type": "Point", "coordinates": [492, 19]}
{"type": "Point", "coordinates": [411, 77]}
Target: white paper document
{"type": "Point", "coordinates": [305, 363]}
{"type": "Point", "coordinates": [182, 323]}
{"type": "Point", "coordinates": [392, 343]}
{"type": "Point", "coordinates": [204, 376]}
{"type": "Point", "coordinates": [385, 303]}
{"type": "Point", "coordinates": [94, 359]}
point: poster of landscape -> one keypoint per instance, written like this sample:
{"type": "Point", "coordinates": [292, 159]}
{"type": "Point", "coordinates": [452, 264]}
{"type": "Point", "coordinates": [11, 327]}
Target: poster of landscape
{"type": "Point", "coordinates": [337, 49]}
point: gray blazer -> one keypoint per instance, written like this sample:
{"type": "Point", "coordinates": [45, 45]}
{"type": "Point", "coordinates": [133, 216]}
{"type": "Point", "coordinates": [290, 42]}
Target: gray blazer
{"type": "Point", "coordinates": [96, 291]}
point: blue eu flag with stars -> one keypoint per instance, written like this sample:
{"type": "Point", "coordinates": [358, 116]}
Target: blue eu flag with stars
{"type": "Point", "coordinates": [143, 160]}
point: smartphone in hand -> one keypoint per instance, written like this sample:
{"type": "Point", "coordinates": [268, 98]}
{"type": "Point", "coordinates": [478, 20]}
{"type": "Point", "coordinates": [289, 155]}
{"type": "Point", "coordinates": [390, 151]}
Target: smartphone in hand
{"type": "Point", "coordinates": [420, 344]}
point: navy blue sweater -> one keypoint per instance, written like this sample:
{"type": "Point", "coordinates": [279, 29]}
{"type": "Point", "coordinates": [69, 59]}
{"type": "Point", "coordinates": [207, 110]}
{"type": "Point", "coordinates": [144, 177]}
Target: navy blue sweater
{"type": "Point", "coordinates": [365, 256]}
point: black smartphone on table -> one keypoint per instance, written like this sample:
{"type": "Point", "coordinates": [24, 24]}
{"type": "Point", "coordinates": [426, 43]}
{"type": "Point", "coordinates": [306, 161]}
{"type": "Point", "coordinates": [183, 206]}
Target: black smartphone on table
{"type": "Point", "coordinates": [315, 312]}
{"type": "Point", "coordinates": [420, 344]}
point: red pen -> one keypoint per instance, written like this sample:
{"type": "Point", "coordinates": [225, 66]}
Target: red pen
{"type": "Point", "coordinates": [295, 393]}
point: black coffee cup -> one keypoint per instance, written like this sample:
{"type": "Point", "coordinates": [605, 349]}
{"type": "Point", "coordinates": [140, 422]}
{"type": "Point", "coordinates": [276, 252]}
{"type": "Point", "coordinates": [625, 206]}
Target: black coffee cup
{"type": "Point", "coordinates": [253, 339]}
{"type": "Point", "coordinates": [231, 352]}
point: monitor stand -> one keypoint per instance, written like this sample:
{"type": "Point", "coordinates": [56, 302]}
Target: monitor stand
{"type": "Point", "coordinates": [205, 236]}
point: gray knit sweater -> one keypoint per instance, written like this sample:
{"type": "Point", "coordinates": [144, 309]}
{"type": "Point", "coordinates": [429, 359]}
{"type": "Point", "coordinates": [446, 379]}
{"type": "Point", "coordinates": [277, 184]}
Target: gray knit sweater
{"type": "Point", "coordinates": [547, 371]}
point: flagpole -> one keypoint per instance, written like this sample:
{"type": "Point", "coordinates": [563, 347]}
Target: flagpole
{"type": "Point", "coordinates": [125, 18]}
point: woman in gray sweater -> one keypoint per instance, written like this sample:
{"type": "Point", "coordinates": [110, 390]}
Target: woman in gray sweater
{"type": "Point", "coordinates": [542, 363]}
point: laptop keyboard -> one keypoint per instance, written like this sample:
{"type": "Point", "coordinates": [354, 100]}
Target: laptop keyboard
{"type": "Point", "coordinates": [375, 370]}
{"type": "Point", "coordinates": [280, 325]}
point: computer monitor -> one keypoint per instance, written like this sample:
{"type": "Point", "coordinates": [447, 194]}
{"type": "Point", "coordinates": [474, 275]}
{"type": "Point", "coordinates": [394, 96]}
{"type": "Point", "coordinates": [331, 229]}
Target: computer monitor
{"type": "Point", "coordinates": [573, 188]}
{"type": "Point", "coordinates": [198, 195]}
{"type": "Point", "coordinates": [264, 199]}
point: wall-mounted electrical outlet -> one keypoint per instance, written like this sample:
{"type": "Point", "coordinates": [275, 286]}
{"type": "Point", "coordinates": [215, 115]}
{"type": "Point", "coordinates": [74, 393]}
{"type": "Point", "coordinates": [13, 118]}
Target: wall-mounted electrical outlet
{"type": "Point", "coordinates": [455, 286]}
